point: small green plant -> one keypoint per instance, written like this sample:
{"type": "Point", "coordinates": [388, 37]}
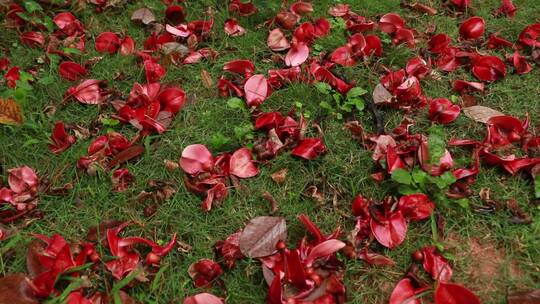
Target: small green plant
{"type": "Point", "coordinates": [341, 104]}
{"type": "Point", "coordinates": [418, 181]}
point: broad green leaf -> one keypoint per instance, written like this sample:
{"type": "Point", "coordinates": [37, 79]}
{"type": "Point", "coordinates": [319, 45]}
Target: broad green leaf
{"type": "Point", "coordinates": [32, 6]}
{"type": "Point", "coordinates": [419, 176]}
{"type": "Point", "coordinates": [406, 190]}
{"type": "Point", "coordinates": [236, 103]}
{"type": "Point", "coordinates": [356, 92]}
{"type": "Point", "coordinates": [325, 105]}
{"type": "Point", "coordinates": [323, 87]}
{"type": "Point", "coordinates": [47, 80]}
{"type": "Point", "coordinates": [402, 176]}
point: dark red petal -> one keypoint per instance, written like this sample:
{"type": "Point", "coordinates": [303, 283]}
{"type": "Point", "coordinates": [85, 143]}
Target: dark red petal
{"type": "Point", "coordinates": [439, 43]}
{"type": "Point", "coordinates": [107, 42]}
{"type": "Point", "coordinates": [404, 292]}
{"type": "Point", "coordinates": [127, 46]}
{"type": "Point", "coordinates": [302, 8]}
{"type": "Point", "coordinates": [33, 39]}
{"type": "Point", "coordinates": [416, 206]}
{"type": "Point", "coordinates": [343, 56]}
{"type": "Point", "coordinates": [461, 86]}
{"type": "Point", "coordinates": [507, 8]}
{"type": "Point", "coordinates": [309, 148]}
{"type": "Point", "coordinates": [472, 28]}
{"type": "Point", "coordinates": [71, 70]}
{"type": "Point", "coordinates": [60, 139]}
{"type": "Point", "coordinates": [436, 265]}
{"type": "Point", "coordinates": [390, 23]}
{"type": "Point", "coordinates": [233, 29]}
{"type": "Point", "coordinates": [520, 64]}
{"type": "Point", "coordinates": [488, 68]}
{"type": "Point", "coordinates": [389, 231]}
{"type": "Point", "coordinates": [497, 42]}
{"type": "Point", "coordinates": [175, 14]}
{"type": "Point", "coordinates": [447, 293]}
{"type": "Point", "coordinates": [239, 66]}
{"type": "Point", "coordinates": [442, 110]}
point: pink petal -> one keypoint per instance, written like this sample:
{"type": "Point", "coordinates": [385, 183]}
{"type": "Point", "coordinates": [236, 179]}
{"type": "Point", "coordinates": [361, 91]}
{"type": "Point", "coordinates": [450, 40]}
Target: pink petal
{"type": "Point", "coordinates": [196, 159]}
{"type": "Point", "coordinates": [241, 164]}
{"type": "Point", "coordinates": [297, 54]}
{"type": "Point", "coordinates": [256, 90]}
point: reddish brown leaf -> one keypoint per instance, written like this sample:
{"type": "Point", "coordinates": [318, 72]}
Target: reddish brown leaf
{"type": "Point", "coordinates": [14, 289]}
{"type": "Point", "coordinates": [526, 297]}
{"type": "Point", "coordinates": [261, 235]}
{"type": "Point", "coordinates": [10, 112]}
{"type": "Point", "coordinates": [206, 79]}
{"type": "Point", "coordinates": [279, 176]}
{"type": "Point", "coordinates": [424, 8]}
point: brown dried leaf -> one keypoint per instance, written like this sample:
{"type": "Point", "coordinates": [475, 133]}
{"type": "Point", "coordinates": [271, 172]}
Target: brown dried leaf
{"type": "Point", "coordinates": [526, 297]}
{"type": "Point", "coordinates": [14, 289]}
{"type": "Point", "coordinates": [280, 176]}
{"type": "Point", "coordinates": [423, 8]}
{"type": "Point", "coordinates": [270, 199]}
{"type": "Point", "coordinates": [261, 235]}
{"type": "Point", "coordinates": [314, 193]}
{"type": "Point", "coordinates": [468, 101]}
{"type": "Point", "coordinates": [381, 95]}
{"type": "Point", "coordinates": [143, 15]}
{"type": "Point", "coordinates": [206, 79]}
{"type": "Point", "coordinates": [481, 113]}
{"type": "Point", "coordinates": [10, 112]}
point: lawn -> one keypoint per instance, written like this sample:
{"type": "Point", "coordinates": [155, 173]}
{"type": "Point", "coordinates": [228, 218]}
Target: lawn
{"type": "Point", "coordinates": [491, 254]}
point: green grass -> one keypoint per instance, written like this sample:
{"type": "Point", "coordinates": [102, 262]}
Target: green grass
{"type": "Point", "coordinates": [346, 167]}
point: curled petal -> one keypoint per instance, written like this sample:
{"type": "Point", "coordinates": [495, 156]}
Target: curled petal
{"type": "Point", "coordinates": [233, 29]}
{"type": "Point", "coordinates": [297, 54]}
{"type": "Point", "coordinates": [389, 231]}
{"type": "Point", "coordinates": [461, 86]}
{"type": "Point", "coordinates": [71, 70]}
{"type": "Point", "coordinates": [196, 159]}
{"type": "Point", "coordinates": [448, 293]}
{"type": "Point", "coordinates": [309, 148]}
{"type": "Point", "coordinates": [472, 28]}
{"type": "Point", "coordinates": [488, 68]}
{"type": "Point", "coordinates": [439, 43]}
{"type": "Point", "coordinates": [520, 64]}
{"type": "Point", "coordinates": [277, 41]}
{"type": "Point", "coordinates": [443, 111]}
{"type": "Point", "coordinates": [107, 42]}
{"type": "Point", "coordinates": [61, 140]}
{"type": "Point", "coordinates": [416, 207]}
{"type": "Point", "coordinates": [390, 23]}
{"type": "Point", "coordinates": [530, 36]}
{"type": "Point", "coordinates": [507, 8]}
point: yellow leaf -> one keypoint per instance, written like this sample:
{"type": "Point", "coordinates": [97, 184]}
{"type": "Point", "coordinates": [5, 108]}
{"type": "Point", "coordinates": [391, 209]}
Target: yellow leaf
{"type": "Point", "coordinates": [10, 112]}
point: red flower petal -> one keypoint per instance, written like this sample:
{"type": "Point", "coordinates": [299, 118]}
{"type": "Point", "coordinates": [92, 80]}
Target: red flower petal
{"type": "Point", "coordinates": [127, 46]}
{"type": "Point", "coordinates": [256, 90]}
{"type": "Point", "coordinates": [240, 67]}
{"type": "Point", "coordinates": [22, 179]}
{"type": "Point", "coordinates": [203, 298]}
{"type": "Point", "coordinates": [339, 10]}
{"type": "Point", "coordinates": [107, 42]}
{"type": "Point", "coordinates": [405, 293]}
{"type": "Point", "coordinates": [343, 56]}
{"type": "Point", "coordinates": [121, 179]}
{"type": "Point", "coordinates": [520, 64]}
{"type": "Point", "coordinates": [233, 29]}
{"type": "Point", "coordinates": [461, 85]}
{"type": "Point", "coordinates": [71, 70]}
{"type": "Point", "coordinates": [439, 43]}
{"type": "Point", "coordinates": [530, 36]}
{"type": "Point", "coordinates": [488, 68]}
{"type": "Point", "coordinates": [436, 265]}
{"type": "Point", "coordinates": [277, 41]}
{"type": "Point", "coordinates": [33, 39]}
{"type": "Point", "coordinates": [153, 71]}
{"type": "Point", "coordinates": [298, 54]}
{"type": "Point", "coordinates": [323, 249]}
{"type": "Point", "coordinates": [88, 92]}
{"type": "Point", "coordinates": [12, 76]}
{"type": "Point", "coordinates": [507, 8]}
{"type": "Point", "coordinates": [196, 159]}
{"type": "Point", "coordinates": [389, 231]}
{"type": "Point", "coordinates": [443, 111]}
{"type": "Point", "coordinates": [287, 20]}
{"type": "Point", "coordinates": [60, 139]}
{"type": "Point", "coordinates": [390, 23]}
{"type": "Point", "coordinates": [404, 35]}
{"type": "Point", "coordinates": [321, 27]}
{"type": "Point", "coordinates": [416, 207]}
{"type": "Point", "coordinates": [495, 41]}
{"type": "Point", "coordinates": [302, 8]}
{"type": "Point", "coordinates": [461, 4]}
{"type": "Point", "coordinates": [418, 67]}
{"type": "Point", "coordinates": [243, 9]}
{"type": "Point", "coordinates": [68, 24]}
{"type": "Point", "coordinates": [171, 99]}
{"type": "Point", "coordinates": [175, 14]}
{"type": "Point", "coordinates": [447, 293]}
{"type": "Point", "coordinates": [373, 45]}
{"type": "Point", "coordinates": [472, 28]}
{"type": "Point", "coordinates": [241, 164]}
{"type": "Point", "coordinates": [309, 148]}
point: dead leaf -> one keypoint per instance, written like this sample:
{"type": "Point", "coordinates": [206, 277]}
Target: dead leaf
{"type": "Point", "coordinates": [280, 176]}
{"type": "Point", "coordinates": [10, 112]}
{"type": "Point", "coordinates": [526, 297]}
{"type": "Point", "coordinates": [518, 215]}
{"type": "Point", "coordinates": [468, 101]}
{"type": "Point", "coordinates": [206, 79]}
{"type": "Point", "coordinates": [381, 95]}
{"type": "Point", "coordinates": [261, 235]}
{"type": "Point", "coordinates": [143, 15]}
{"type": "Point", "coordinates": [314, 193]}
{"type": "Point", "coordinates": [423, 8]}
{"type": "Point", "coordinates": [481, 113]}
{"type": "Point", "coordinates": [270, 199]}
{"type": "Point", "coordinates": [14, 289]}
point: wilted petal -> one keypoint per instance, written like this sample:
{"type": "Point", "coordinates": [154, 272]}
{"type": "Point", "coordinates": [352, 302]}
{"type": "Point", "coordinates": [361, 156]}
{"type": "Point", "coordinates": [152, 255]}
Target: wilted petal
{"type": "Point", "coordinates": [443, 111]}
{"type": "Point", "coordinates": [390, 23]}
{"type": "Point", "coordinates": [277, 41]}
{"type": "Point", "coordinates": [233, 29]}
{"type": "Point", "coordinates": [416, 207]}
